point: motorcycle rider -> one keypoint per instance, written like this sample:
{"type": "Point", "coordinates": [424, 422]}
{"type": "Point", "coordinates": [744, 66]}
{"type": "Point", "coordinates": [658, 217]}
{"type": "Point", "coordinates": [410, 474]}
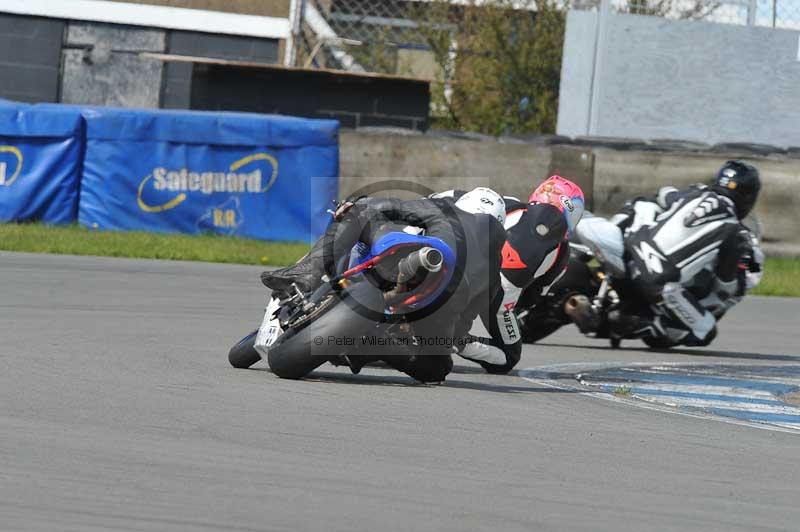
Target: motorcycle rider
{"type": "Point", "coordinates": [535, 256]}
{"type": "Point", "coordinates": [471, 226]}
{"type": "Point", "coordinates": [683, 240]}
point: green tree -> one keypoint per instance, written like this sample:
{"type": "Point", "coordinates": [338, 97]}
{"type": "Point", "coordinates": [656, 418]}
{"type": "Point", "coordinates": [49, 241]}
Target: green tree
{"type": "Point", "coordinates": [504, 75]}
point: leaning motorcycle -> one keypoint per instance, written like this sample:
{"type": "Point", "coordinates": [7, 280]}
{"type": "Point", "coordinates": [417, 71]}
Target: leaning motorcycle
{"type": "Point", "coordinates": [370, 299]}
{"type": "Point", "coordinates": [596, 295]}
{"type": "Point", "coordinates": [588, 296]}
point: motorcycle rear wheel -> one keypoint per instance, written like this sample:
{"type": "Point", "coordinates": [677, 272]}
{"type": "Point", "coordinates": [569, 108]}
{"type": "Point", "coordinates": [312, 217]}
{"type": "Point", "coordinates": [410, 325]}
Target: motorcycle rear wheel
{"type": "Point", "coordinates": [654, 342]}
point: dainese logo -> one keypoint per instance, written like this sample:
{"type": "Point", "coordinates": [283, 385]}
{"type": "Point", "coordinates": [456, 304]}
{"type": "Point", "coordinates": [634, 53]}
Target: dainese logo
{"type": "Point", "coordinates": [10, 165]}
{"type": "Point", "coordinates": [173, 187]}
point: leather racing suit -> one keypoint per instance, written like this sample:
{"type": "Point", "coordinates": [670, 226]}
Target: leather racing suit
{"type": "Point", "coordinates": [536, 260]}
{"type": "Point", "coordinates": [690, 257]}
{"type": "Point", "coordinates": [477, 240]}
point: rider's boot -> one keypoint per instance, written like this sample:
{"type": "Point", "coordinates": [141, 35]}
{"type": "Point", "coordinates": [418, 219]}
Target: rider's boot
{"type": "Point", "coordinates": [338, 240]}
{"type": "Point", "coordinates": [303, 273]}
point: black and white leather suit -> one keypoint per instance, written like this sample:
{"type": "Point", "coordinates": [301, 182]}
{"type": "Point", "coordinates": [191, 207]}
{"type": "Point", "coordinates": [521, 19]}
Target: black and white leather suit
{"type": "Point", "coordinates": [684, 251]}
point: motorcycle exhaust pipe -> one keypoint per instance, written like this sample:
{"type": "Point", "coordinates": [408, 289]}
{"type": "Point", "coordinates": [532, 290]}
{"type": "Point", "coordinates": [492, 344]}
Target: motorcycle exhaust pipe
{"type": "Point", "coordinates": [580, 311]}
{"type": "Point", "coordinates": [578, 306]}
{"type": "Point", "coordinates": [426, 259]}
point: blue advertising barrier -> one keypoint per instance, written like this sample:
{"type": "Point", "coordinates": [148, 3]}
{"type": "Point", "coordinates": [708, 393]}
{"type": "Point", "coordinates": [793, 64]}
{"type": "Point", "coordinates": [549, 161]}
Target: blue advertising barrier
{"type": "Point", "coordinates": [265, 177]}
{"type": "Point", "coordinates": [40, 162]}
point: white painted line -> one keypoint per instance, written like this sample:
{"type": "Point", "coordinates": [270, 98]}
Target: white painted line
{"type": "Point", "coordinates": [710, 403]}
{"type": "Point", "coordinates": [174, 18]}
{"type": "Point", "coordinates": [655, 387]}
{"type": "Point", "coordinates": [536, 376]}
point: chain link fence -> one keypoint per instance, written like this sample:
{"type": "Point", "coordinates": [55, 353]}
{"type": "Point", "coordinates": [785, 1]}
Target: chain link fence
{"type": "Point", "coordinates": [494, 65]}
{"type": "Point", "coordinates": [769, 13]}
{"type": "Point", "coordinates": [381, 36]}
{"type": "Point", "coordinates": [394, 36]}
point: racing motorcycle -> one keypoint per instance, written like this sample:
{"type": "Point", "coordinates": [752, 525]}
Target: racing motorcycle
{"type": "Point", "coordinates": [374, 292]}
{"type": "Point", "coordinates": [596, 295]}
{"type": "Point", "coordinates": [588, 296]}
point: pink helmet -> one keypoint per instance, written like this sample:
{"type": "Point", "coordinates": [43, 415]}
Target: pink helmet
{"type": "Point", "coordinates": [562, 194]}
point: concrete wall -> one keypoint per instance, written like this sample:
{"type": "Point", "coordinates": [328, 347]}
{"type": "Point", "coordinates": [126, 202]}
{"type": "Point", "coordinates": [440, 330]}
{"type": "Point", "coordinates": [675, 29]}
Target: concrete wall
{"type": "Point", "coordinates": [620, 175]}
{"type": "Point", "coordinates": [102, 66]}
{"type": "Point", "coordinates": [442, 163]}
{"type": "Point", "coordinates": [658, 78]}
{"type": "Point", "coordinates": [577, 69]}
{"type": "Point", "coordinates": [608, 176]}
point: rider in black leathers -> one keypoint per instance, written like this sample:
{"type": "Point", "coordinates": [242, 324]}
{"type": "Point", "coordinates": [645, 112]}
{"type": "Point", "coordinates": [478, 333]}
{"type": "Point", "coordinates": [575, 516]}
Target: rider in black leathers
{"type": "Point", "coordinates": [534, 257]}
{"type": "Point", "coordinates": [476, 239]}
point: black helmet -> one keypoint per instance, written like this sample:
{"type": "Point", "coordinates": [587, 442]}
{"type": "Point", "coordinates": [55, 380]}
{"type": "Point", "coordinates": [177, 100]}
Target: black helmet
{"type": "Point", "coordinates": [740, 182]}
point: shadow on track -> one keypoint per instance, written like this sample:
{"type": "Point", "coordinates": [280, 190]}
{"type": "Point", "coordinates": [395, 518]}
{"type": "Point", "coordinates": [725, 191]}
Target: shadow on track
{"type": "Point", "coordinates": [365, 379]}
{"type": "Point", "coordinates": [683, 351]}
{"type": "Point", "coordinates": [468, 370]}
{"type": "Point", "coordinates": [496, 388]}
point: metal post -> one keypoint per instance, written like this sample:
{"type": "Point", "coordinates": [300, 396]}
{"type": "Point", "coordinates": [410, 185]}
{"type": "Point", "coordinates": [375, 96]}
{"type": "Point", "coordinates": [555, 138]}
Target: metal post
{"type": "Point", "coordinates": [774, 12]}
{"type": "Point", "coordinates": [296, 15]}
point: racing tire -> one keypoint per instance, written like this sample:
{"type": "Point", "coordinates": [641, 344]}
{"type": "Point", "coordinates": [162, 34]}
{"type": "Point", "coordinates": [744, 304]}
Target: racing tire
{"type": "Point", "coordinates": [244, 354]}
{"type": "Point", "coordinates": [654, 342]}
{"type": "Point", "coordinates": [298, 352]}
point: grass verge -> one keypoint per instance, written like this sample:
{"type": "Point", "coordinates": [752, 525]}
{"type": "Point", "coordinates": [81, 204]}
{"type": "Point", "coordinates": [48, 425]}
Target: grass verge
{"type": "Point", "coordinates": [781, 277]}
{"type": "Point", "coordinates": [76, 240]}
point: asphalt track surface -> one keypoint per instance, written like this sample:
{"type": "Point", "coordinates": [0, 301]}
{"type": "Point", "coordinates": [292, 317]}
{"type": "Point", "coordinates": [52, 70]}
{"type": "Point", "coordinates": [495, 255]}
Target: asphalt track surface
{"type": "Point", "coordinates": [118, 411]}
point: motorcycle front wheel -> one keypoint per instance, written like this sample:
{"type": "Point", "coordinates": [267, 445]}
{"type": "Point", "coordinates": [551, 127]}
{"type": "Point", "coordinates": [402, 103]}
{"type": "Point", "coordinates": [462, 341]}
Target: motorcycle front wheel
{"type": "Point", "coordinates": [299, 352]}
{"type": "Point", "coordinates": [244, 354]}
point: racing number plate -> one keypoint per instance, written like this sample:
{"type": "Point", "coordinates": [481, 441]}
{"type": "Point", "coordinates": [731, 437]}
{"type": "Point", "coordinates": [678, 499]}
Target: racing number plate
{"type": "Point", "coordinates": [270, 329]}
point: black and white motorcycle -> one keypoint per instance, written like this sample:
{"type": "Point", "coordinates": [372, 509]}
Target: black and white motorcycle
{"type": "Point", "coordinates": [596, 295]}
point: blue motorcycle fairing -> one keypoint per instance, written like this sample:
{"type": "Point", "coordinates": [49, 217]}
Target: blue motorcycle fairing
{"type": "Point", "coordinates": [362, 253]}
